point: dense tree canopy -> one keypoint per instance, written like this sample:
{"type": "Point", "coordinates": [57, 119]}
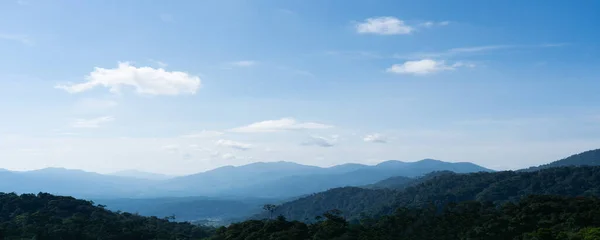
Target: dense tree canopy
{"type": "Point", "coordinates": [532, 218]}
{"type": "Point", "coordinates": [440, 189]}
{"type": "Point", "coordinates": [44, 216]}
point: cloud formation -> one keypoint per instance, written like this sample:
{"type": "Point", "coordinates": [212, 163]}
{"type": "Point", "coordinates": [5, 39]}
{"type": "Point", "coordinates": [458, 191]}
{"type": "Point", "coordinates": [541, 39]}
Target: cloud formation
{"type": "Point", "coordinates": [91, 123]}
{"type": "Point", "coordinates": [233, 144]}
{"type": "Point", "coordinates": [284, 124]}
{"type": "Point", "coordinates": [244, 63]}
{"type": "Point", "coordinates": [321, 141]}
{"type": "Point", "coordinates": [430, 24]}
{"type": "Point", "coordinates": [203, 134]}
{"type": "Point", "coordinates": [425, 67]}
{"type": "Point", "coordinates": [17, 37]}
{"type": "Point", "coordinates": [375, 138]}
{"type": "Point", "coordinates": [383, 26]}
{"type": "Point", "coordinates": [471, 50]}
{"type": "Point", "coordinates": [145, 80]}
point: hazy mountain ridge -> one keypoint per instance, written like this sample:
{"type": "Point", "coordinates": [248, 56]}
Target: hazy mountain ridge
{"type": "Point", "coordinates": [495, 187]}
{"type": "Point", "coordinates": [587, 158]}
{"type": "Point", "coordinates": [261, 179]}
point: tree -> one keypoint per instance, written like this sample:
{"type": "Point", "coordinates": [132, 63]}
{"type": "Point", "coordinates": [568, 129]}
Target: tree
{"type": "Point", "coordinates": [270, 208]}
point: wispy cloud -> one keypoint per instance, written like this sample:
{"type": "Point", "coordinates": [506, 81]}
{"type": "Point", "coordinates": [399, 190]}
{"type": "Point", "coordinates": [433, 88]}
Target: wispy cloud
{"type": "Point", "coordinates": [320, 141]}
{"type": "Point", "coordinates": [24, 39]}
{"type": "Point", "coordinates": [284, 124]}
{"type": "Point", "coordinates": [383, 26]}
{"type": "Point", "coordinates": [203, 134]}
{"type": "Point", "coordinates": [472, 50]}
{"type": "Point", "coordinates": [158, 63]}
{"type": "Point", "coordinates": [243, 63]}
{"type": "Point", "coordinates": [425, 67]}
{"type": "Point", "coordinates": [430, 24]}
{"type": "Point", "coordinates": [233, 144]}
{"type": "Point", "coordinates": [375, 138]}
{"type": "Point", "coordinates": [91, 123]}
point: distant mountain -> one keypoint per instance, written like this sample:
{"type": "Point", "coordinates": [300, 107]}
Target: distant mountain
{"type": "Point", "coordinates": [587, 158]}
{"type": "Point", "coordinates": [494, 187]}
{"type": "Point", "coordinates": [399, 182]}
{"type": "Point", "coordinates": [189, 208]}
{"type": "Point", "coordinates": [391, 183]}
{"type": "Point", "coordinates": [69, 182]}
{"type": "Point", "coordinates": [141, 175]}
{"type": "Point", "coordinates": [285, 179]}
{"type": "Point", "coordinates": [279, 180]}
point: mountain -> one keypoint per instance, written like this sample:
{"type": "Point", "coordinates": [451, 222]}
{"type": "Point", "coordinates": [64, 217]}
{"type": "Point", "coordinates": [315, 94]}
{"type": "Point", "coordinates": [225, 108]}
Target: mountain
{"type": "Point", "coordinates": [399, 182]}
{"type": "Point", "coordinates": [45, 216]}
{"type": "Point", "coordinates": [279, 180]}
{"type": "Point", "coordinates": [69, 182]}
{"type": "Point", "coordinates": [141, 175]}
{"type": "Point", "coordinates": [587, 158]}
{"type": "Point", "coordinates": [495, 187]}
{"type": "Point", "coordinates": [284, 179]}
{"type": "Point", "coordinates": [189, 208]}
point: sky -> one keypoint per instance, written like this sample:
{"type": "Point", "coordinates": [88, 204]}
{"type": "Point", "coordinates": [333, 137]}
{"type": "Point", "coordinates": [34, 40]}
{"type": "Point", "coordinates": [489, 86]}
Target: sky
{"type": "Point", "coordinates": [180, 87]}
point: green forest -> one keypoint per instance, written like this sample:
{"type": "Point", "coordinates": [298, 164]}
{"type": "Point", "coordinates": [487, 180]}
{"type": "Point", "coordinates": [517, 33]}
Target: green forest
{"type": "Point", "coordinates": [45, 216]}
{"type": "Point", "coordinates": [532, 218]}
{"type": "Point", "coordinates": [546, 203]}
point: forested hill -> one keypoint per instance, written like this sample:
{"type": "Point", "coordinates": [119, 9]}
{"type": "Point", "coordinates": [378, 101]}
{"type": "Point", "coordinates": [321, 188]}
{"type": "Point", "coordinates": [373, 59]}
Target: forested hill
{"type": "Point", "coordinates": [533, 218]}
{"type": "Point", "coordinates": [44, 216]}
{"type": "Point", "coordinates": [497, 187]}
{"type": "Point", "coordinates": [587, 158]}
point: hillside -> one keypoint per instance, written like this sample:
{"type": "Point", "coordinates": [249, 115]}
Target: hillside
{"type": "Point", "coordinates": [587, 158]}
{"type": "Point", "coordinates": [533, 218]}
{"type": "Point", "coordinates": [497, 187]}
{"type": "Point", "coordinates": [45, 216]}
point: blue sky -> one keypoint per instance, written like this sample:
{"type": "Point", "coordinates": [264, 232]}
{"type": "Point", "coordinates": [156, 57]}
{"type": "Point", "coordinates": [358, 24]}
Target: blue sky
{"type": "Point", "coordinates": [186, 86]}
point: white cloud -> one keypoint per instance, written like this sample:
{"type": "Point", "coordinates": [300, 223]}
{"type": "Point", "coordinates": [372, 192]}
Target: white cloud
{"type": "Point", "coordinates": [472, 50]}
{"type": "Point", "coordinates": [158, 63]}
{"type": "Point", "coordinates": [203, 134]}
{"type": "Point", "coordinates": [284, 124]}
{"type": "Point", "coordinates": [384, 26]}
{"type": "Point", "coordinates": [244, 63]}
{"type": "Point", "coordinates": [23, 2]}
{"type": "Point", "coordinates": [233, 144]}
{"type": "Point", "coordinates": [17, 37]}
{"type": "Point", "coordinates": [375, 138]}
{"type": "Point", "coordinates": [145, 80]}
{"type": "Point", "coordinates": [430, 24]}
{"type": "Point", "coordinates": [321, 141]}
{"type": "Point", "coordinates": [227, 156]}
{"type": "Point", "coordinates": [425, 66]}
{"type": "Point", "coordinates": [91, 123]}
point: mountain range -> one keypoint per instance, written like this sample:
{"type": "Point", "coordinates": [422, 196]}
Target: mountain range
{"type": "Point", "coordinates": [301, 191]}
{"type": "Point", "coordinates": [223, 193]}
{"type": "Point", "coordinates": [256, 180]}
{"type": "Point", "coordinates": [577, 175]}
